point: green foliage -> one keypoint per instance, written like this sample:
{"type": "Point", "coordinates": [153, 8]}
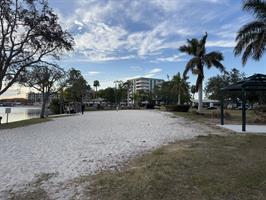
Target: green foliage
{"type": "Point", "coordinates": [115, 95]}
{"type": "Point", "coordinates": [170, 91]}
{"type": "Point", "coordinates": [193, 90]}
{"type": "Point", "coordinates": [77, 86]}
{"type": "Point", "coordinates": [30, 31]}
{"type": "Point", "coordinates": [197, 50]}
{"type": "Point", "coordinates": [96, 84]}
{"type": "Point", "coordinates": [55, 106]}
{"type": "Point", "coordinates": [108, 94]}
{"type": "Point", "coordinates": [46, 79]}
{"type": "Point", "coordinates": [250, 39]}
{"type": "Point", "coordinates": [216, 83]}
{"type": "Point", "coordinates": [141, 96]}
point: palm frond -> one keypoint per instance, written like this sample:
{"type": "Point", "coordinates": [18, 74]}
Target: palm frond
{"type": "Point", "coordinates": [251, 40]}
{"type": "Point", "coordinates": [185, 49]}
{"type": "Point", "coordinates": [218, 65]}
{"type": "Point", "coordinates": [257, 7]}
{"type": "Point", "coordinates": [259, 46]}
{"type": "Point", "coordinates": [201, 49]}
{"type": "Point", "coordinates": [243, 42]}
{"type": "Point", "coordinates": [215, 55]}
{"type": "Point", "coordinates": [247, 53]}
{"type": "Point", "coordinates": [190, 48]}
{"type": "Point", "coordinates": [213, 59]}
{"type": "Point", "coordinates": [252, 27]}
{"type": "Point", "coordinates": [190, 66]}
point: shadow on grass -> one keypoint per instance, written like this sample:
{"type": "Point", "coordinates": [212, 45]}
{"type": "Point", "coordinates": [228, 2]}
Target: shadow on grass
{"type": "Point", "coordinates": [209, 167]}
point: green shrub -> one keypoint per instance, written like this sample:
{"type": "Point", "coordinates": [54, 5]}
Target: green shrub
{"type": "Point", "coordinates": [55, 106]}
{"type": "Point", "coordinates": [177, 108]}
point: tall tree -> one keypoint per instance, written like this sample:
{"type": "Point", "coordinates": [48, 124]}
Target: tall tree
{"type": "Point", "coordinates": [108, 94]}
{"type": "Point", "coordinates": [174, 91]}
{"type": "Point", "coordinates": [215, 83]}
{"type": "Point", "coordinates": [180, 86]}
{"type": "Point", "coordinates": [29, 31]}
{"type": "Point", "coordinates": [46, 79]}
{"type": "Point", "coordinates": [96, 84]}
{"type": "Point", "coordinates": [77, 87]}
{"type": "Point", "coordinates": [251, 38]}
{"type": "Point", "coordinates": [196, 48]}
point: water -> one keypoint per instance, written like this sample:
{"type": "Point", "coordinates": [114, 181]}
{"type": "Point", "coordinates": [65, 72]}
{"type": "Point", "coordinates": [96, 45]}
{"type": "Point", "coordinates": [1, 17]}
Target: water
{"type": "Point", "coordinates": [20, 113]}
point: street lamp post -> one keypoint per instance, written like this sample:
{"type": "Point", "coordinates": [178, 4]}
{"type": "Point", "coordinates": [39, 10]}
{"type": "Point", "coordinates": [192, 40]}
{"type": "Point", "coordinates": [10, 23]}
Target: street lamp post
{"type": "Point", "coordinates": [116, 103]}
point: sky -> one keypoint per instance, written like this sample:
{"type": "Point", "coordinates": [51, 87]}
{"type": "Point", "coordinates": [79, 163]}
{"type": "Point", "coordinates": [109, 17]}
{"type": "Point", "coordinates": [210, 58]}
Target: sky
{"type": "Point", "coordinates": [123, 39]}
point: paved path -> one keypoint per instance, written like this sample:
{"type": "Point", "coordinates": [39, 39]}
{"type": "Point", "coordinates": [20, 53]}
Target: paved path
{"type": "Point", "coordinates": [72, 146]}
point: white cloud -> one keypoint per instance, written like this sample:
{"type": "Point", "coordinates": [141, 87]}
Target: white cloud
{"type": "Point", "coordinates": [103, 29]}
{"type": "Point", "coordinates": [92, 73]}
{"type": "Point", "coordinates": [155, 70]}
{"type": "Point", "coordinates": [221, 43]}
{"type": "Point", "coordinates": [174, 58]}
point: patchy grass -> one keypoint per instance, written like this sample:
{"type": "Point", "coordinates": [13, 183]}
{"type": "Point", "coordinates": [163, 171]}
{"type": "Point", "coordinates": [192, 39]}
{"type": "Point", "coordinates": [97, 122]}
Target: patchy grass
{"type": "Point", "coordinates": [33, 190]}
{"type": "Point", "coordinates": [28, 122]}
{"type": "Point", "coordinates": [22, 123]}
{"type": "Point", "coordinates": [209, 167]}
{"type": "Point", "coordinates": [213, 116]}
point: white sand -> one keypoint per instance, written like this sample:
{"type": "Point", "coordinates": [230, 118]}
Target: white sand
{"type": "Point", "coordinates": [79, 145]}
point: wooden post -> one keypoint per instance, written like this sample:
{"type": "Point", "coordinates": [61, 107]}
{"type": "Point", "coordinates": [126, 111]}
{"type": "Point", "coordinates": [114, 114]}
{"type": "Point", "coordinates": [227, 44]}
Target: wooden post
{"type": "Point", "coordinates": [222, 110]}
{"type": "Point", "coordinates": [243, 110]}
{"type": "Point", "coordinates": [7, 118]}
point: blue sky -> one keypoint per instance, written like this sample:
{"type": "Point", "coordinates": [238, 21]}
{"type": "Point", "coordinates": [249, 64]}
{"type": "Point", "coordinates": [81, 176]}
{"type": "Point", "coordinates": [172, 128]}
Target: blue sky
{"type": "Point", "coordinates": [120, 39]}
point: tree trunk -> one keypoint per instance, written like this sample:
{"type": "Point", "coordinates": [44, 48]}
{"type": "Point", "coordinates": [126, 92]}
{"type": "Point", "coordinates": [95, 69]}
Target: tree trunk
{"type": "Point", "coordinates": [179, 96]}
{"type": "Point", "coordinates": [45, 98]}
{"type": "Point", "coordinates": [200, 105]}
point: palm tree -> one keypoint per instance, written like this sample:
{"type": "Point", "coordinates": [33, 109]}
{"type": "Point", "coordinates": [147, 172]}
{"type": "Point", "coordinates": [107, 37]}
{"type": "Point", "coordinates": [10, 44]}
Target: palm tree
{"type": "Point", "coordinates": [96, 84]}
{"type": "Point", "coordinates": [251, 38]}
{"type": "Point", "coordinates": [179, 85]}
{"type": "Point", "coordinates": [196, 48]}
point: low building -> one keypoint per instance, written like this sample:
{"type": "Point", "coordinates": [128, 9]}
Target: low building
{"type": "Point", "coordinates": [142, 84]}
{"type": "Point", "coordinates": [206, 103]}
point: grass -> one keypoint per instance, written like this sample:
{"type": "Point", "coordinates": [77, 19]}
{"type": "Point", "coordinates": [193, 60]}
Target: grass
{"type": "Point", "coordinates": [209, 167]}
{"type": "Point", "coordinates": [32, 190]}
{"type": "Point", "coordinates": [214, 167]}
{"type": "Point", "coordinates": [22, 123]}
{"type": "Point", "coordinates": [213, 116]}
{"type": "Point", "coordinates": [28, 122]}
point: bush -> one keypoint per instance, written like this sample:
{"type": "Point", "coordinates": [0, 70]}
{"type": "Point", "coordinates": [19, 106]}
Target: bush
{"type": "Point", "coordinates": [177, 108]}
{"type": "Point", "coordinates": [55, 106]}
{"type": "Point", "coordinates": [260, 111]}
{"type": "Point", "coordinates": [150, 106]}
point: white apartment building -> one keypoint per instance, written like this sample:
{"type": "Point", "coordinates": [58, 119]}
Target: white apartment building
{"type": "Point", "coordinates": [142, 84]}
